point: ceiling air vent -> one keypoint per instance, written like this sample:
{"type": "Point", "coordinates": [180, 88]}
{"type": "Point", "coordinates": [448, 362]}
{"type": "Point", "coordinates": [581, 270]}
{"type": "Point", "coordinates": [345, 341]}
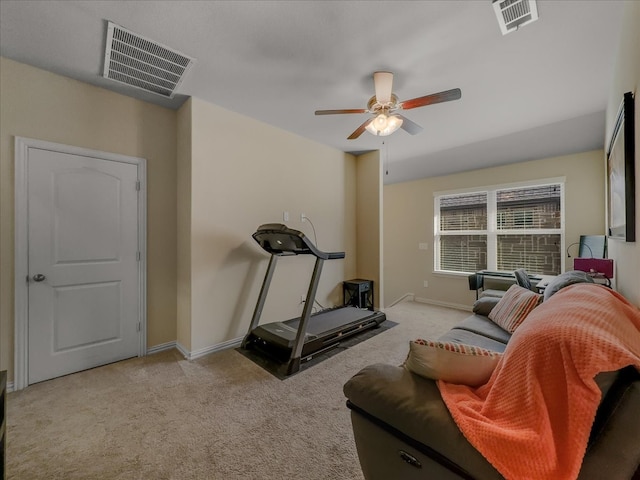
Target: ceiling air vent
{"type": "Point", "coordinates": [143, 63]}
{"type": "Point", "coordinates": [514, 13]}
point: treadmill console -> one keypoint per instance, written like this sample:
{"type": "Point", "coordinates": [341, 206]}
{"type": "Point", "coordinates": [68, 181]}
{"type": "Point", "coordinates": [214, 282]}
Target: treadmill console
{"type": "Point", "coordinates": [278, 239]}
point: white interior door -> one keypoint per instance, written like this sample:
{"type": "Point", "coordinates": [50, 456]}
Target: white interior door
{"type": "Point", "coordinates": [83, 254]}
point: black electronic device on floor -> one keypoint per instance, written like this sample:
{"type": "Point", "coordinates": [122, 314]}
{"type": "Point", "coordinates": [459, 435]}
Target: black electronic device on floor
{"type": "Point", "coordinates": [295, 340]}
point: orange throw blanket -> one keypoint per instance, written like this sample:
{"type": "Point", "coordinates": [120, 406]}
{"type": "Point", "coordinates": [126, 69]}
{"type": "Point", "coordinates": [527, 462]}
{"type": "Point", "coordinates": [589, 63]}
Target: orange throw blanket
{"type": "Point", "coordinates": [533, 417]}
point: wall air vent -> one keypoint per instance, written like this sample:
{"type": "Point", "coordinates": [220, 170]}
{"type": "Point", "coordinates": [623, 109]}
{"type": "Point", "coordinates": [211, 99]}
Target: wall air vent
{"type": "Point", "coordinates": [142, 63]}
{"type": "Point", "coordinates": [514, 13]}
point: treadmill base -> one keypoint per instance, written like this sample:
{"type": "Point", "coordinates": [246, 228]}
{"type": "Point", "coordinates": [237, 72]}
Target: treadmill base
{"type": "Point", "coordinates": [278, 366]}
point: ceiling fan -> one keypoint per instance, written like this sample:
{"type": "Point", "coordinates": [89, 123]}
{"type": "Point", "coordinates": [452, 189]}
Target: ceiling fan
{"type": "Point", "coordinates": [384, 106]}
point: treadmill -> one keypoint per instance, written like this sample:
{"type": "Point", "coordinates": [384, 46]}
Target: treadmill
{"type": "Point", "coordinates": [293, 341]}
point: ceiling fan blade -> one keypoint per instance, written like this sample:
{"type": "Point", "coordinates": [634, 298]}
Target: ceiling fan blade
{"type": "Point", "coordinates": [337, 112]}
{"type": "Point", "coordinates": [408, 126]}
{"type": "Point", "coordinates": [383, 83]}
{"type": "Point", "coordinates": [446, 96]}
{"type": "Point", "coordinates": [359, 130]}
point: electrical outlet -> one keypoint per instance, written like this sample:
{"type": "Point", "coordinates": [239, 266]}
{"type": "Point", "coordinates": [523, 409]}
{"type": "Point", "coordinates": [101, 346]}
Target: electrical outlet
{"type": "Point", "coordinates": [303, 217]}
{"type": "Point", "coordinates": [423, 246]}
{"type": "Point", "coordinates": [426, 284]}
{"type": "Point", "coordinates": [285, 216]}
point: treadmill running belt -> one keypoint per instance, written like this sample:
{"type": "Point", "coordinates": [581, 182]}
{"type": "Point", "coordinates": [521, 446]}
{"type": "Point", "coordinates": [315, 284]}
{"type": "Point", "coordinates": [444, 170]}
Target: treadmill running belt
{"type": "Point", "coordinates": [328, 320]}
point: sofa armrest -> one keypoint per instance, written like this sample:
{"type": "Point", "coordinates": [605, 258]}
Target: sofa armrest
{"type": "Point", "coordinates": [410, 404]}
{"type": "Point", "coordinates": [616, 432]}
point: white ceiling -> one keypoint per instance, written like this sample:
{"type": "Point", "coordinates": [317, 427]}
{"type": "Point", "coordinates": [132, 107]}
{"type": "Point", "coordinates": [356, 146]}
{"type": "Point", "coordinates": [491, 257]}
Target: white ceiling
{"type": "Point", "coordinates": [534, 93]}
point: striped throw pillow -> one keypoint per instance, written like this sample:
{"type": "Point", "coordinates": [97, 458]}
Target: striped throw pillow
{"type": "Point", "coordinates": [451, 362]}
{"type": "Point", "coordinates": [514, 307]}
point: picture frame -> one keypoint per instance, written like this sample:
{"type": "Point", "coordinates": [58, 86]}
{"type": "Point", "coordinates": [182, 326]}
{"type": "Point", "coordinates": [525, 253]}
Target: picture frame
{"type": "Point", "coordinates": [621, 208]}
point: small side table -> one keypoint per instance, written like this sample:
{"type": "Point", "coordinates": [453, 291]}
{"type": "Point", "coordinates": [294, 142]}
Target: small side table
{"type": "Point", "coordinates": [358, 293]}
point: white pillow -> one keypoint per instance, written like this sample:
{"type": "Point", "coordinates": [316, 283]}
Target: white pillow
{"type": "Point", "coordinates": [451, 362]}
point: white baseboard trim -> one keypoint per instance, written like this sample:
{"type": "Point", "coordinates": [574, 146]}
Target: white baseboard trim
{"type": "Point", "coordinates": [185, 353]}
{"type": "Point", "coordinates": [161, 348]}
{"type": "Point", "coordinates": [409, 297]}
{"type": "Point", "coordinates": [233, 343]}
{"type": "Point", "coordinates": [457, 306]}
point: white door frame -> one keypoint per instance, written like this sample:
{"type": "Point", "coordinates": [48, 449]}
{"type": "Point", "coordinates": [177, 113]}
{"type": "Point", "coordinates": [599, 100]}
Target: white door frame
{"type": "Point", "coordinates": [22, 145]}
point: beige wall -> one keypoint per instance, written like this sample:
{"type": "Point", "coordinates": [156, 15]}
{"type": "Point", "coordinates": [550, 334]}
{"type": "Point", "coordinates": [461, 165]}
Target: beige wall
{"type": "Point", "coordinates": [408, 216]}
{"type": "Point", "coordinates": [184, 140]}
{"type": "Point", "coordinates": [245, 173]}
{"type": "Point", "coordinates": [369, 222]}
{"type": "Point", "coordinates": [626, 78]}
{"type": "Point", "coordinates": [40, 105]}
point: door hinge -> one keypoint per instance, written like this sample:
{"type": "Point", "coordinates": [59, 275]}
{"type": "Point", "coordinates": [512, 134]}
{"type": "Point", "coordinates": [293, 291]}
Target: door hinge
{"type": "Point", "coordinates": [138, 185]}
{"type": "Point", "coordinates": [139, 326]}
{"type": "Point", "coordinates": [138, 256]}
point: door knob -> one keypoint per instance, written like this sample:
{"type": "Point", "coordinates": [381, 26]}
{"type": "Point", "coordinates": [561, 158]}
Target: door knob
{"type": "Point", "coordinates": [38, 277]}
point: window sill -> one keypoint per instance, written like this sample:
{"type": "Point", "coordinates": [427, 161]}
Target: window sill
{"type": "Point", "coordinates": [446, 273]}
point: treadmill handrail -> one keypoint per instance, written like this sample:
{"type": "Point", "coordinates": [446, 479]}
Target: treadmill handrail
{"type": "Point", "coordinates": [278, 239]}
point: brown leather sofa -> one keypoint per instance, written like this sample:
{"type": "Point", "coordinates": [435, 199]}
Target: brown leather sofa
{"type": "Point", "coordinates": [403, 429]}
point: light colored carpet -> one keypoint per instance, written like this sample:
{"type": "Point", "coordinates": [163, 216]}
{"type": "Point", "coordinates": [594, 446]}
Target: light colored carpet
{"type": "Point", "coordinates": [218, 417]}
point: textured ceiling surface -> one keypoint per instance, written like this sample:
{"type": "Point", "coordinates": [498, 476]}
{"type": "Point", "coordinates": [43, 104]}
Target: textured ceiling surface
{"type": "Point", "coordinates": [539, 91]}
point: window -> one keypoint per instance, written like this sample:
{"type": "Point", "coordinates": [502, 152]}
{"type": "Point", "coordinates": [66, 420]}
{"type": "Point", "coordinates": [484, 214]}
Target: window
{"type": "Point", "coordinates": [501, 228]}
{"type": "Point", "coordinates": [463, 232]}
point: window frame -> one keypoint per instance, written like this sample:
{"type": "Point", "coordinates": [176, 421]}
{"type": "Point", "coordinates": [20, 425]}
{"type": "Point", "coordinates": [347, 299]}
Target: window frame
{"type": "Point", "coordinates": [492, 230]}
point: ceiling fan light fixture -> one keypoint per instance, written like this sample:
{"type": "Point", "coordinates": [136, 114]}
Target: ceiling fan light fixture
{"type": "Point", "coordinates": [381, 121]}
{"type": "Point", "coordinates": [385, 102]}
{"type": "Point", "coordinates": [384, 125]}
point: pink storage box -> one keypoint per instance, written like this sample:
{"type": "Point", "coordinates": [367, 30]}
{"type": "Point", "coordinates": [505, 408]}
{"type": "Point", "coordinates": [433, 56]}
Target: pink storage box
{"type": "Point", "coordinates": [594, 265]}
